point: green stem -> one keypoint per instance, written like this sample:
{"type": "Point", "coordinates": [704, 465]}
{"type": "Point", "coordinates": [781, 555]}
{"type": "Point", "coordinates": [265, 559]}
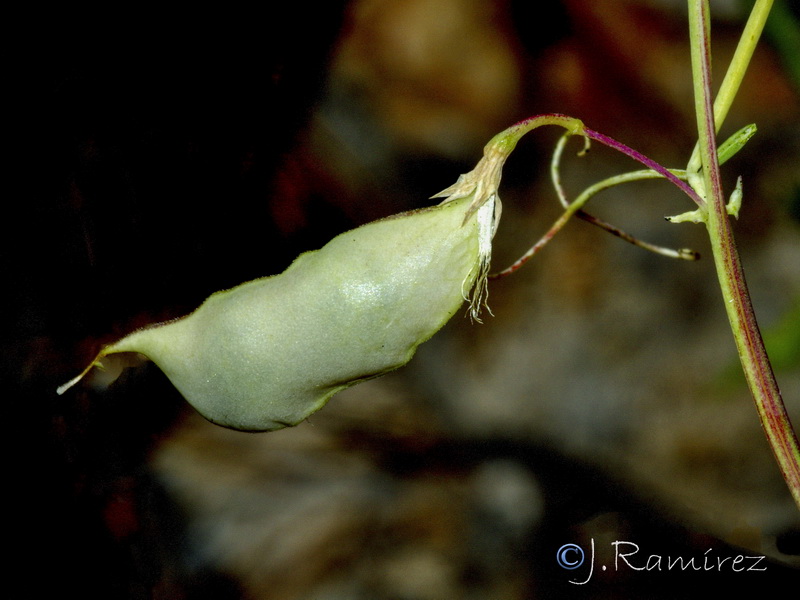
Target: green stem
{"type": "Point", "coordinates": [753, 355]}
{"type": "Point", "coordinates": [735, 74]}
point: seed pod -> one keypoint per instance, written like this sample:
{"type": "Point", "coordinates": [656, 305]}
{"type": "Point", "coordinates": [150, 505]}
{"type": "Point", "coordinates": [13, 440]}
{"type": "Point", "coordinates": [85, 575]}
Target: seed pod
{"type": "Point", "coordinates": [270, 352]}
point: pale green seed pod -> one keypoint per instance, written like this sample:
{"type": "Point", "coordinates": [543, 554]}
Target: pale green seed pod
{"type": "Point", "coordinates": [270, 352]}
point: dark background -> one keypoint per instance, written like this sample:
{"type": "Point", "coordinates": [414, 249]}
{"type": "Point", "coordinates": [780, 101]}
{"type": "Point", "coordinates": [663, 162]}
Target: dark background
{"type": "Point", "coordinates": [164, 158]}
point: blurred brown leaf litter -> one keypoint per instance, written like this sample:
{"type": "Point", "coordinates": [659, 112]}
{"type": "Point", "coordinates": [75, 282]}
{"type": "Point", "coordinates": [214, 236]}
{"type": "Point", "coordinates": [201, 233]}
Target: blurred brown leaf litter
{"type": "Point", "coordinates": [597, 404]}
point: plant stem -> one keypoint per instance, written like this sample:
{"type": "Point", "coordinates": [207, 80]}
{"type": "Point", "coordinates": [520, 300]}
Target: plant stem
{"type": "Point", "coordinates": [753, 355]}
{"type": "Point", "coordinates": [508, 139]}
{"type": "Point", "coordinates": [736, 70]}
